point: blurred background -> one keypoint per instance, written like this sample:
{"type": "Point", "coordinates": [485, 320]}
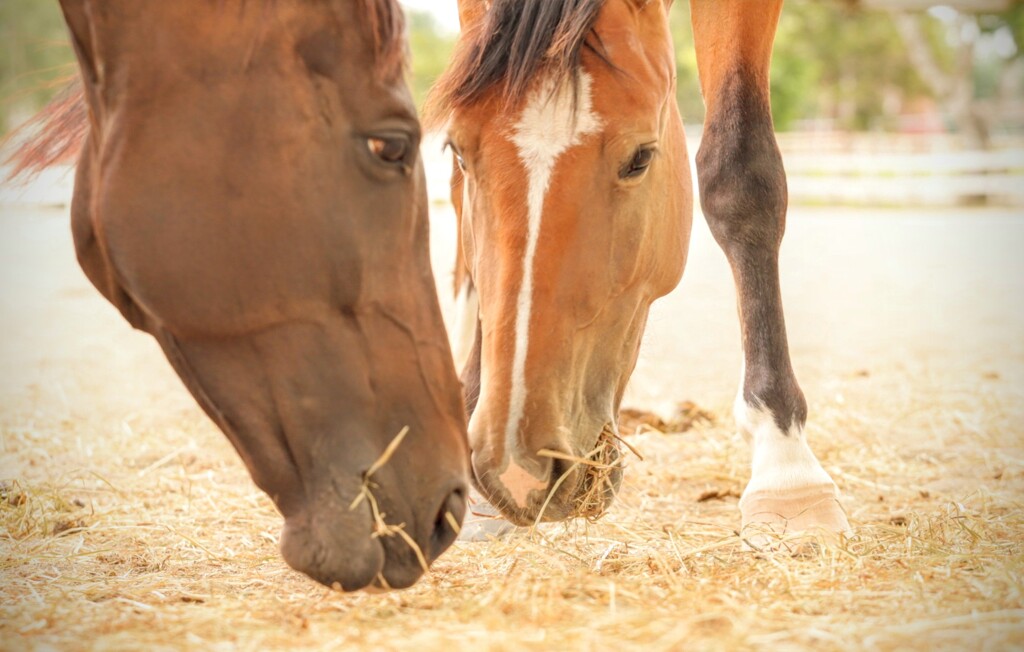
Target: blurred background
{"type": "Point", "coordinates": [866, 94]}
{"type": "Point", "coordinates": [902, 129]}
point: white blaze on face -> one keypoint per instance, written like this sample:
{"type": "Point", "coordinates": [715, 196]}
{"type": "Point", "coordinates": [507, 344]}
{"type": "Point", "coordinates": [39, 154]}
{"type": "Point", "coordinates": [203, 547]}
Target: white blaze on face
{"type": "Point", "coordinates": [554, 120]}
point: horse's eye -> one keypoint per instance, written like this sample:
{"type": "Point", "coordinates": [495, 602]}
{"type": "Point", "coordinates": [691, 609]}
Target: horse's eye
{"type": "Point", "coordinates": [392, 150]}
{"type": "Point", "coordinates": [457, 154]}
{"type": "Point", "coordinates": [637, 165]}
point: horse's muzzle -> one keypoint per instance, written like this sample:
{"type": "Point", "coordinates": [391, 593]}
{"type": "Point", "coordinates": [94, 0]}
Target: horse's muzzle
{"type": "Point", "coordinates": [369, 546]}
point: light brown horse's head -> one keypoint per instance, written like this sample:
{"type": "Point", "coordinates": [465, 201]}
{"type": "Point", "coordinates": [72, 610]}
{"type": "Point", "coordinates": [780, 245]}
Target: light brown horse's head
{"type": "Point", "coordinates": [250, 192]}
{"type": "Point", "coordinates": [574, 196]}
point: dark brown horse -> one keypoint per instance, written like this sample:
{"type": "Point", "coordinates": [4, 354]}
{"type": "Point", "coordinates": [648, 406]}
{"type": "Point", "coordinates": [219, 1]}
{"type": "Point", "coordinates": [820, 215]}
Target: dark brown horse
{"type": "Point", "coordinates": [249, 192]}
{"type": "Point", "coordinates": [573, 192]}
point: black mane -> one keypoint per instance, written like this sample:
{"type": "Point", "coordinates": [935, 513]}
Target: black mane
{"type": "Point", "coordinates": [512, 43]}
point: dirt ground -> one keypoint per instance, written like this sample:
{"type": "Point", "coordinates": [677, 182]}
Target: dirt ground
{"type": "Point", "coordinates": [127, 522]}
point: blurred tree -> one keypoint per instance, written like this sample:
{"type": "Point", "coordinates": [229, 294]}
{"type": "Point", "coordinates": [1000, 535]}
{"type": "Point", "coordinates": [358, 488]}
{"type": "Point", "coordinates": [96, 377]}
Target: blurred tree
{"type": "Point", "coordinates": [691, 104]}
{"type": "Point", "coordinates": [951, 82]}
{"type": "Point", "coordinates": [829, 62]}
{"type": "Point", "coordinates": [851, 64]}
{"type": "Point", "coordinates": [35, 57]}
{"type": "Point", "coordinates": [860, 64]}
{"type": "Point", "coordinates": [974, 62]}
{"type": "Point", "coordinates": [846, 67]}
{"type": "Point", "coordinates": [431, 49]}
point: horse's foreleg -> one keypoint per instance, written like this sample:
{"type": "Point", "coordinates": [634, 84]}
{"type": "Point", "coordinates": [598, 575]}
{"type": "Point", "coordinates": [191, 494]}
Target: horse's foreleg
{"type": "Point", "coordinates": [743, 196]}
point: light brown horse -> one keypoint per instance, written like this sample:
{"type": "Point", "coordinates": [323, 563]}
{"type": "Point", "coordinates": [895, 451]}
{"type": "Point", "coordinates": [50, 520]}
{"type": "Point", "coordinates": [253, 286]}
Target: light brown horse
{"type": "Point", "coordinates": [574, 197]}
{"type": "Point", "coordinates": [250, 193]}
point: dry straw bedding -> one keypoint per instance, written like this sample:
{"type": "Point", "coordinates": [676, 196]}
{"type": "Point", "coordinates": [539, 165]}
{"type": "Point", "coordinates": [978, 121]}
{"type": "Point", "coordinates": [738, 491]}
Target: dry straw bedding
{"type": "Point", "coordinates": [143, 531]}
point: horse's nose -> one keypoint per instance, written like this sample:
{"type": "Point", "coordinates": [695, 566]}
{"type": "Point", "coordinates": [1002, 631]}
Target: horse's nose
{"type": "Point", "coordinates": [441, 520]}
{"type": "Point", "coordinates": [531, 488]}
{"type": "Point", "coordinates": [448, 521]}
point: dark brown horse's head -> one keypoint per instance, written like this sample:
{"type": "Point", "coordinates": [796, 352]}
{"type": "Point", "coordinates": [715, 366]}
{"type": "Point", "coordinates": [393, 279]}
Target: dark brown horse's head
{"type": "Point", "coordinates": [250, 192]}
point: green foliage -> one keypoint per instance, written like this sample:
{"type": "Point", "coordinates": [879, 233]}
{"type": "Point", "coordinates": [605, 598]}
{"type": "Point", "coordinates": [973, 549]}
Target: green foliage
{"type": "Point", "coordinates": [431, 49]}
{"type": "Point", "coordinates": [831, 60]}
{"type": "Point", "coordinates": [691, 104]}
{"type": "Point", "coordinates": [795, 73]}
{"type": "Point", "coordinates": [988, 74]}
{"type": "Point", "coordinates": [828, 61]}
{"type": "Point", "coordinates": [34, 57]}
{"type": "Point", "coordinates": [835, 62]}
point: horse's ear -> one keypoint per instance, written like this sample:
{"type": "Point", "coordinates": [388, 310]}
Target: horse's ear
{"type": "Point", "coordinates": [472, 12]}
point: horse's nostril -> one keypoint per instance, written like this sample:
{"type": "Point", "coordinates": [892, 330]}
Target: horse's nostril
{"type": "Point", "coordinates": [559, 470]}
{"type": "Point", "coordinates": [448, 521]}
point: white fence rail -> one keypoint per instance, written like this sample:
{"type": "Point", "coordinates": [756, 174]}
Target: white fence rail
{"type": "Point", "coordinates": [822, 168]}
{"type": "Point", "coordinates": [913, 170]}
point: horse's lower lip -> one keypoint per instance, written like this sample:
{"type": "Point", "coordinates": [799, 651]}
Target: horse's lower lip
{"type": "Point", "coordinates": [327, 554]}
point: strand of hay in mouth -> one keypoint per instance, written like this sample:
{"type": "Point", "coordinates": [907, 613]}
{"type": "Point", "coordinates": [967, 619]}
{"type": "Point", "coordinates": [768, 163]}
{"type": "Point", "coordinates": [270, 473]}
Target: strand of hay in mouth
{"type": "Point", "coordinates": [601, 463]}
{"type": "Point", "coordinates": [585, 461]}
{"type": "Point", "coordinates": [628, 445]}
{"type": "Point", "coordinates": [453, 522]}
{"type": "Point", "coordinates": [597, 482]}
{"type": "Point", "coordinates": [385, 457]}
{"type": "Point", "coordinates": [551, 492]}
{"type": "Point", "coordinates": [382, 528]}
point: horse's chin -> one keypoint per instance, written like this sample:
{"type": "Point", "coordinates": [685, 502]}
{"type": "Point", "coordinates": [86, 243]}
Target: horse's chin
{"type": "Point", "coordinates": [339, 558]}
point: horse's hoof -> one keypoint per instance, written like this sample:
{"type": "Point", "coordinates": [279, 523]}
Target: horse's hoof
{"type": "Point", "coordinates": [793, 520]}
{"type": "Point", "coordinates": [483, 522]}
